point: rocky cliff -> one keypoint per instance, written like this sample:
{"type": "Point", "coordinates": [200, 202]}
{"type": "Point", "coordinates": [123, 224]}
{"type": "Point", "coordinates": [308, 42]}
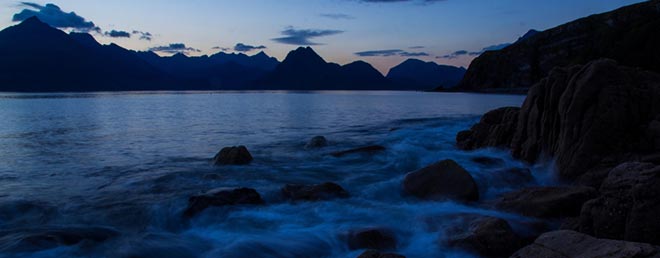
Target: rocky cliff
{"type": "Point", "coordinates": [585, 117]}
{"type": "Point", "coordinates": [628, 35]}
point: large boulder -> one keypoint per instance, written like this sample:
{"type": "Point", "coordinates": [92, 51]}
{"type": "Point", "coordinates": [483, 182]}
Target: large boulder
{"type": "Point", "coordinates": [495, 129]}
{"type": "Point", "coordinates": [324, 191]}
{"type": "Point", "coordinates": [628, 207]}
{"type": "Point", "coordinates": [547, 202]}
{"type": "Point", "coordinates": [440, 181]}
{"type": "Point", "coordinates": [221, 197]}
{"type": "Point", "coordinates": [236, 155]}
{"type": "Point", "coordinates": [371, 238]}
{"type": "Point", "coordinates": [569, 244]}
{"type": "Point", "coordinates": [487, 236]}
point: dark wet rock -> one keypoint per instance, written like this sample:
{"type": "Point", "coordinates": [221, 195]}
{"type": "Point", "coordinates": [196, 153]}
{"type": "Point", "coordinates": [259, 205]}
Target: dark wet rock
{"type": "Point", "coordinates": [368, 150]}
{"type": "Point", "coordinates": [377, 254]}
{"type": "Point", "coordinates": [628, 207]}
{"type": "Point", "coordinates": [34, 239]}
{"type": "Point", "coordinates": [495, 129]}
{"type": "Point", "coordinates": [585, 117]}
{"type": "Point", "coordinates": [487, 236]}
{"type": "Point", "coordinates": [237, 155]}
{"type": "Point", "coordinates": [221, 197]}
{"type": "Point", "coordinates": [488, 161]}
{"type": "Point", "coordinates": [628, 35]}
{"type": "Point", "coordinates": [440, 181]}
{"type": "Point", "coordinates": [566, 244]}
{"type": "Point", "coordinates": [372, 238]}
{"type": "Point", "coordinates": [324, 191]}
{"type": "Point", "coordinates": [547, 202]}
{"type": "Point", "coordinates": [316, 142]}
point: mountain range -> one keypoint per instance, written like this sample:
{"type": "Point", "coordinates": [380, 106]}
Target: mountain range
{"type": "Point", "coordinates": [39, 58]}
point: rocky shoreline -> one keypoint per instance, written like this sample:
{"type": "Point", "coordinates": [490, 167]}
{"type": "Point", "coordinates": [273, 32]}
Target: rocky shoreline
{"type": "Point", "coordinates": [599, 122]}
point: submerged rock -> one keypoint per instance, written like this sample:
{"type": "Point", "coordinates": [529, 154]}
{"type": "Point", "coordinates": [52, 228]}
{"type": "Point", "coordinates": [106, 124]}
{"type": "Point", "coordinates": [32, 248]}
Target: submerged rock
{"type": "Point", "coordinates": [440, 181]}
{"type": "Point", "coordinates": [237, 155]}
{"type": "Point", "coordinates": [373, 238]}
{"type": "Point", "coordinates": [487, 236]}
{"type": "Point", "coordinates": [35, 239]}
{"type": "Point", "coordinates": [566, 243]}
{"type": "Point", "coordinates": [221, 197]}
{"type": "Point", "coordinates": [547, 202]}
{"type": "Point", "coordinates": [377, 254]}
{"type": "Point", "coordinates": [488, 161]}
{"type": "Point", "coordinates": [316, 142]}
{"type": "Point", "coordinates": [495, 129]}
{"type": "Point", "coordinates": [324, 191]}
{"type": "Point", "coordinates": [368, 149]}
{"type": "Point", "coordinates": [628, 207]}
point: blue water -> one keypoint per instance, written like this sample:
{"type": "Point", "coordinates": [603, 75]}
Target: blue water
{"type": "Point", "coordinates": [127, 162]}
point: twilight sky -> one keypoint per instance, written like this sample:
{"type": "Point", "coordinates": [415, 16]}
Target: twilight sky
{"type": "Point", "coordinates": [381, 32]}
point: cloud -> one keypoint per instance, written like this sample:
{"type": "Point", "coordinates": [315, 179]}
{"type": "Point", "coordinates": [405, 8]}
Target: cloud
{"type": "Point", "coordinates": [223, 49]}
{"type": "Point", "coordinates": [143, 35]}
{"type": "Point", "coordinates": [459, 53]}
{"type": "Point", "coordinates": [240, 47]}
{"type": "Point", "coordinates": [390, 52]}
{"type": "Point", "coordinates": [117, 34]}
{"type": "Point", "coordinates": [337, 16]}
{"type": "Point", "coordinates": [411, 54]}
{"type": "Point", "coordinates": [387, 52]}
{"type": "Point", "coordinates": [302, 37]}
{"type": "Point", "coordinates": [174, 48]}
{"type": "Point", "coordinates": [54, 16]}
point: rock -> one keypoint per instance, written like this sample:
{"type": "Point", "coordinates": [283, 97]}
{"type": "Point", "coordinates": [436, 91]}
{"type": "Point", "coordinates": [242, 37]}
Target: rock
{"type": "Point", "coordinates": [488, 236]}
{"type": "Point", "coordinates": [628, 207]}
{"type": "Point", "coordinates": [547, 202]}
{"type": "Point", "coordinates": [376, 254]}
{"type": "Point", "coordinates": [35, 239]}
{"type": "Point", "coordinates": [325, 191]}
{"type": "Point", "coordinates": [440, 181]}
{"type": "Point", "coordinates": [495, 129]}
{"type": "Point", "coordinates": [373, 238]}
{"type": "Point", "coordinates": [221, 197]}
{"type": "Point", "coordinates": [317, 142]}
{"type": "Point", "coordinates": [584, 117]}
{"type": "Point", "coordinates": [487, 161]}
{"type": "Point", "coordinates": [566, 243]}
{"type": "Point", "coordinates": [627, 35]}
{"type": "Point", "coordinates": [368, 149]}
{"type": "Point", "coordinates": [237, 155]}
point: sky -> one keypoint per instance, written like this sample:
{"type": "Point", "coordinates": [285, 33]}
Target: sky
{"type": "Point", "coordinates": [381, 32]}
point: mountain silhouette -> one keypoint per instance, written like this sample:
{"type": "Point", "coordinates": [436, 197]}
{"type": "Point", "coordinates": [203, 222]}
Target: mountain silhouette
{"type": "Point", "coordinates": [416, 74]}
{"type": "Point", "coordinates": [304, 69]}
{"type": "Point", "coordinates": [39, 58]}
{"type": "Point", "coordinates": [220, 71]}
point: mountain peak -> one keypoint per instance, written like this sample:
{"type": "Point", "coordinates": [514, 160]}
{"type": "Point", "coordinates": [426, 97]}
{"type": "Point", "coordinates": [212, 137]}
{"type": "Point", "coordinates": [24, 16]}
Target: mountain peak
{"type": "Point", "coordinates": [305, 55]}
{"type": "Point", "coordinates": [33, 23]}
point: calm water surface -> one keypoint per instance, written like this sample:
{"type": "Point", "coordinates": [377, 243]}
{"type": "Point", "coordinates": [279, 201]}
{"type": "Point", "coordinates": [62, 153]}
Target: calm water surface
{"type": "Point", "coordinates": [127, 162]}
